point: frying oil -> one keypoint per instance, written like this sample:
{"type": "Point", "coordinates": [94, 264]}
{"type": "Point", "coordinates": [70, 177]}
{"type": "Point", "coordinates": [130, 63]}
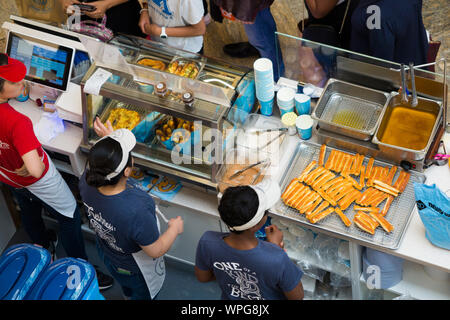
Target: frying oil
{"type": "Point", "coordinates": [348, 118]}
{"type": "Point", "coordinates": [408, 128]}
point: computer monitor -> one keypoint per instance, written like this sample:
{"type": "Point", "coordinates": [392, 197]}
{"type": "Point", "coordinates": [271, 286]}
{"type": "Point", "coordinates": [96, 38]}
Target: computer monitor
{"type": "Point", "coordinates": [47, 63]}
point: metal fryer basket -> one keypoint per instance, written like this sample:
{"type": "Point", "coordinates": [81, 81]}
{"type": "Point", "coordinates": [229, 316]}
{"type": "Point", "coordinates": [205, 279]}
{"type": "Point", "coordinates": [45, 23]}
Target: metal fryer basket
{"type": "Point", "coordinates": [350, 110]}
{"type": "Point", "coordinates": [399, 213]}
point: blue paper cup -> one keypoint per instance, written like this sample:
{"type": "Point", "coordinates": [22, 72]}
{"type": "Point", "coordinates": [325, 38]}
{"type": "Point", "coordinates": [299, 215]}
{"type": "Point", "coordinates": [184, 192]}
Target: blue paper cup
{"type": "Point", "coordinates": [285, 100]}
{"type": "Point", "coordinates": [304, 124]}
{"type": "Point", "coordinates": [266, 107]}
{"type": "Point", "coordinates": [302, 103]}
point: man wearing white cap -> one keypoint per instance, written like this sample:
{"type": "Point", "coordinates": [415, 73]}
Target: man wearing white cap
{"type": "Point", "coordinates": [246, 267]}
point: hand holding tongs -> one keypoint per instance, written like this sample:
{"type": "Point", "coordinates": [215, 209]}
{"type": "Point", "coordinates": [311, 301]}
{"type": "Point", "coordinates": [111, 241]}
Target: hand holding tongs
{"type": "Point", "coordinates": [234, 175]}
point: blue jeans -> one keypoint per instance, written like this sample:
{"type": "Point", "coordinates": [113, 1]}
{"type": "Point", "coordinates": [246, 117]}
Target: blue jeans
{"type": "Point", "coordinates": [69, 228]}
{"type": "Point", "coordinates": [261, 35]}
{"type": "Point", "coordinates": [133, 284]}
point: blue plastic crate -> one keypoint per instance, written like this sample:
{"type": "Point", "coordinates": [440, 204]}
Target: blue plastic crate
{"type": "Point", "coordinates": [20, 267]}
{"type": "Point", "coordinates": [67, 279]}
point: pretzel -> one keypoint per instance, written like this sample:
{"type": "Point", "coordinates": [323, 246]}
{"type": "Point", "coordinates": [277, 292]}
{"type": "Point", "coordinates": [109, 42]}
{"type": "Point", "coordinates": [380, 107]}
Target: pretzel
{"type": "Point", "coordinates": [327, 176]}
{"type": "Point", "coordinates": [343, 217]}
{"type": "Point", "coordinates": [348, 199]}
{"type": "Point", "coordinates": [387, 205]}
{"type": "Point", "coordinates": [382, 221]}
{"type": "Point", "coordinates": [365, 222]}
{"type": "Point", "coordinates": [316, 200]}
{"type": "Point", "coordinates": [299, 199]}
{"type": "Point", "coordinates": [312, 207]}
{"type": "Point", "coordinates": [330, 159]}
{"type": "Point", "coordinates": [360, 160]}
{"type": "Point", "coordinates": [319, 216]}
{"type": "Point", "coordinates": [326, 197]}
{"type": "Point", "coordinates": [353, 182]}
{"type": "Point", "coordinates": [305, 172]}
{"type": "Point", "coordinates": [369, 168]}
{"type": "Point", "coordinates": [362, 177]}
{"type": "Point", "coordinates": [391, 175]}
{"type": "Point", "coordinates": [373, 209]}
{"type": "Point", "coordinates": [336, 161]}
{"type": "Point", "coordinates": [291, 186]}
{"type": "Point", "coordinates": [314, 174]}
{"type": "Point", "coordinates": [323, 149]}
{"type": "Point", "coordinates": [331, 183]}
{"type": "Point", "coordinates": [292, 191]}
{"type": "Point", "coordinates": [322, 206]}
{"type": "Point", "coordinates": [347, 164]}
{"type": "Point", "coordinates": [309, 201]}
{"type": "Point", "coordinates": [296, 195]}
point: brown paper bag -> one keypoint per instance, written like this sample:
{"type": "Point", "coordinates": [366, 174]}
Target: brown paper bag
{"type": "Point", "coordinates": [48, 11]}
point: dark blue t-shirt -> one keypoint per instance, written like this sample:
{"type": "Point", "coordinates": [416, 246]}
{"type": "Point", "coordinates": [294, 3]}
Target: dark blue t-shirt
{"type": "Point", "coordinates": [401, 37]}
{"type": "Point", "coordinates": [262, 273]}
{"type": "Point", "coordinates": [121, 222]}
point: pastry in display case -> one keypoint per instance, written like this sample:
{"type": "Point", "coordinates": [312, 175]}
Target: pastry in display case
{"type": "Point", "coordinates": [183, 108]}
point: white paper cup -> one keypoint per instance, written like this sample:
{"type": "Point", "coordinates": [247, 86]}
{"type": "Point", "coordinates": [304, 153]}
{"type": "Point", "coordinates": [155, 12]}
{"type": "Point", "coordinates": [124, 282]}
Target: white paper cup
{"type": "Point", "coordinates": [264, 80]}
{"type": "Point", "coordinates": [304, 124]}
{"type": "Point", "coordinates": [302, 103]}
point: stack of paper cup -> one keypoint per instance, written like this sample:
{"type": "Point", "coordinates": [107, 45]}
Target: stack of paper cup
{"type": "Point", "coordinates": [285, 100]}
{"type": "Point", "coordinates": [302, 103]}
{"type": "Point", "coordinates": [264, 84]}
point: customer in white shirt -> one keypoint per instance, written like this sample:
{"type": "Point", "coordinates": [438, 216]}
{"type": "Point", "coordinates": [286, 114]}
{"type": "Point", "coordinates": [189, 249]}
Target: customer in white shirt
{"type": "Point", "coordinates": [177, 23]}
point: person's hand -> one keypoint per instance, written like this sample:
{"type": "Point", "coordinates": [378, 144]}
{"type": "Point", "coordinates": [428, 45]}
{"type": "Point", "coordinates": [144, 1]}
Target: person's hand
{"type": "Point", "coordinates": [66, 4]}
{"type": "Point", "coordinates": [22, 171]}
{"type": "Point", "coordinates": [152, 29]}
{"type": "Point", "coordinates": [274, 235]}
{"type": "Point", "coordinates": [100, 9]}
{"type": "Point", "coordinates": [177, 224]}
{"type": "Point", "coordinates": [144, 20]}
{"type": "Point", "coordinates": [100, 129]}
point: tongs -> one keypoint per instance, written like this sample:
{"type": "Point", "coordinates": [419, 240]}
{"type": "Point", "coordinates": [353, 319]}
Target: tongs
{"type": "Point", "coordinates": [255, 130]}
{"type": "Point", "coordinates": [441, 159]}
{"type": "Point", "coordinates": [234, 175]}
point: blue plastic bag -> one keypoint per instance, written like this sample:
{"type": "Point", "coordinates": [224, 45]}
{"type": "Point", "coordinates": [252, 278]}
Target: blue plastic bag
{"type": "Point", "coordinates": [434, 210]}
{"type": "Point", "coordinates": [145, 130]}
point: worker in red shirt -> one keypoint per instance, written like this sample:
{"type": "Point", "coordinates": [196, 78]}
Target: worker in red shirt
{"type": "Point", "coordinates": [32, 176]}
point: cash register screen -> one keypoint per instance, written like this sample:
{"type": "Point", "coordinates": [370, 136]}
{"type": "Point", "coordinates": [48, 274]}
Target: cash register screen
{"type": "Point", "coordinates": [47, 63]}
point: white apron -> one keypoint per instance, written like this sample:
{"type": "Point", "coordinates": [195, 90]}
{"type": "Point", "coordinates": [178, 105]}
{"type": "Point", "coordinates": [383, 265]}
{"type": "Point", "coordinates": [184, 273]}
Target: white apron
{"type": "Point", "coordinates": [53, 190]}
{"type": "Point", "coordinates": [153, 270]}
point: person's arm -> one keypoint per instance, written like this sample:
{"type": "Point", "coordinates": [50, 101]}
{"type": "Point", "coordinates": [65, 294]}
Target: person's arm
{"type": "Point", "coordinates": [32, 165]}
{"type": "Point", "coordinates": [102, 6]}
{"type": "Point", "coordinates": [320, 8]}
{"type": "Point", "coordinates": [204, 275]}
{"type": "Point", "coordinates": [274, 235]}
{"type": "Point", "coordinates": [295, 294]}
{"type": "Point", "coordinates": [165, 241]}
{"type": "Point", "coordinates": [194, 30]}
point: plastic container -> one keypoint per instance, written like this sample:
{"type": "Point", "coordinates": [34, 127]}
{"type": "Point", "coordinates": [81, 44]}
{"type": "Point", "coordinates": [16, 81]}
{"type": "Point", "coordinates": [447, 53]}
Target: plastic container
{"type": "Point", "coordinates": [302, 104]}
{"type": "Point", "coordinates": [67, 279]}
{"type": "Point", "coordinates": [288, 120]}
{"type": "Point", "coordinates": [391, 267]}
{"type": "Point", "coordinates": [20, 267]}
{"type": "Point", "coordinates": [285, 100]}
{"type": "Point", "coordinates": [304, 124]}
{"type": "Point", "coordinates": [237, 159]}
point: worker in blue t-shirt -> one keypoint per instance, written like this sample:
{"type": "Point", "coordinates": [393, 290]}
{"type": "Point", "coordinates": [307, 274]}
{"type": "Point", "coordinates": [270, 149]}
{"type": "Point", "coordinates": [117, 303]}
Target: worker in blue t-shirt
{"type": "Point", "coordinates": [390, 30]}
{"type": "Point", "coordinates": [246, 267]}
{"type": "Point", "coordinates": [123, 216]}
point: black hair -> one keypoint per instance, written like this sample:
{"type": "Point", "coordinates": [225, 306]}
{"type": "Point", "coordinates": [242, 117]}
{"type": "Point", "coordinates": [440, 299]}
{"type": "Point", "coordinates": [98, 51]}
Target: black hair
{"type": "Point", "coordinates": [3, 62]}
{"type": "Point", "coordinates": [238, 206]}
{"type": "Point", "coordinates": [103, 159]}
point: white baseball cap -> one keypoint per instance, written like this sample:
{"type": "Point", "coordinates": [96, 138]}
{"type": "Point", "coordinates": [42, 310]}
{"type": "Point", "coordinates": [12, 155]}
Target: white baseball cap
{"type": "Point", "coordinates": [269, 193]}
{"type": "Point", "coordinates": [127, 141]}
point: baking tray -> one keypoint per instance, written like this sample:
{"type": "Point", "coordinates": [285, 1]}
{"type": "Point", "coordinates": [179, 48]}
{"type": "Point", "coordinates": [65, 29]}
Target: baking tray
{"type": "Point", "coordinates": [399, 213]}
{"type": "Point", "coordinates": [200, 65]}
{"type": "Point", "coordinates": [143, 112]}
{"type": "Point", "coordinates": [349, 109]}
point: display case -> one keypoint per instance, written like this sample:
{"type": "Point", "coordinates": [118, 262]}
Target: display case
{"type": "Point", "coordinates": [183, 108]}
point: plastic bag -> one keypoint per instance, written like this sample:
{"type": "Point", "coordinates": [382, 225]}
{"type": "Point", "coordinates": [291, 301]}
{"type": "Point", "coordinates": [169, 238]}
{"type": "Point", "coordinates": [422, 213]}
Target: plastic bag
{"type": "Point", "coordinates": [49, 126]}
{"type": "Point", "coordinates": [145, 130]}
{"type": "Point", "coordinates": [434, 211]}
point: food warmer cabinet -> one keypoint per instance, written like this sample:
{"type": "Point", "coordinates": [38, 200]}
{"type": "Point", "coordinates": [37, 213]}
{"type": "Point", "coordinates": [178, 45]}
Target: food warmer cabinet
{"type": "Point", "coordinates": [182, 107]}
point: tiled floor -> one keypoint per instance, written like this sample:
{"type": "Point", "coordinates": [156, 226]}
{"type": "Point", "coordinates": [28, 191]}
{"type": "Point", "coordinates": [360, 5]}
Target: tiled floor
{"type": "Point", "coordinates": [286, 13]}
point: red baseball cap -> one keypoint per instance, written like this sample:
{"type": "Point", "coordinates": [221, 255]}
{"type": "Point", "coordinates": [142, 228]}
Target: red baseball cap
{"type": "Point", "coordinates": [14, 71]}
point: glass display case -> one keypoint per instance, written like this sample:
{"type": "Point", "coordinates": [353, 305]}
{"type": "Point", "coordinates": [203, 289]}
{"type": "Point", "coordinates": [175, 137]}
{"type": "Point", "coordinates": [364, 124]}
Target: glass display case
{"type": "Point", "coordinates": [183, 108]}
